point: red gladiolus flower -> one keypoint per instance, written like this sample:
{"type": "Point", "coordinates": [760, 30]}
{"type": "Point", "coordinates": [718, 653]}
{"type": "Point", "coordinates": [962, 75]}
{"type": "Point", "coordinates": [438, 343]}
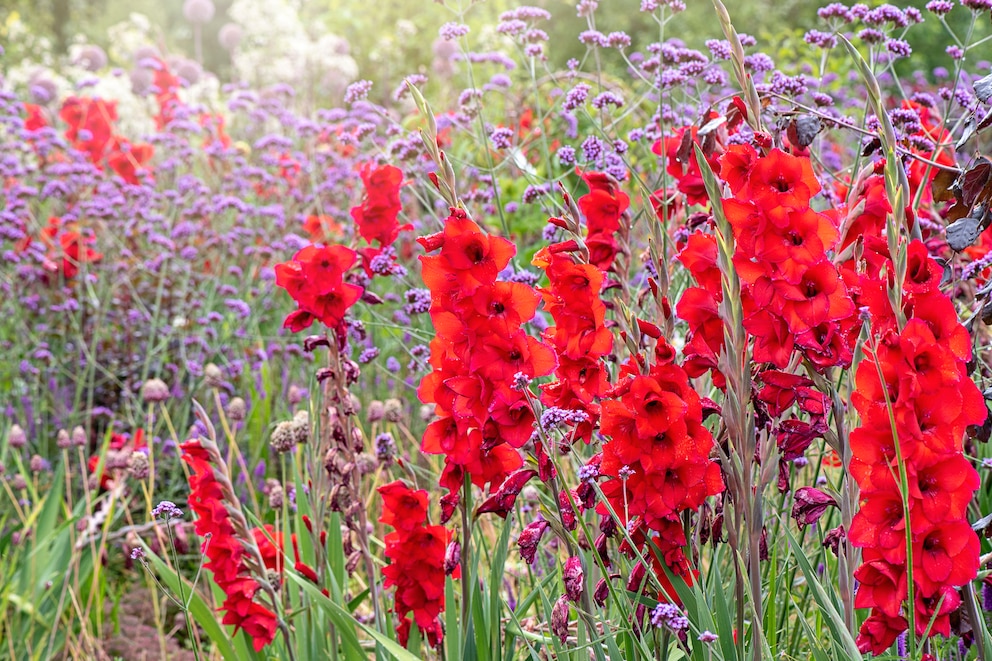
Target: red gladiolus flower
{"type": "Point", "coordinates": [914, 395]}
{"type": "Point", "coordinates": [315, 280]}
{"type": "Point", "coordinates": [680, 158]}
{"type": "Point", "coordinates": [416, 552]}
{"type": "Point", "coordinates": [376, 216]}
{"type": "Point", "coordinates": [225, 549]}
{"type": "Point", "coordinates": [91, 125]}
{"type": "Point", "coordinates": [603, 207]}
{"type": "Point", "coordinates": [478, 354]}
{"type": "Point", "coordinates": [128, 160]}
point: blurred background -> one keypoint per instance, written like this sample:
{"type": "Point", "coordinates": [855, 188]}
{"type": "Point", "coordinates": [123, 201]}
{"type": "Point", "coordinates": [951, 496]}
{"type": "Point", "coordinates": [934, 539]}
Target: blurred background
{"type": "Point", "coordinates": [269, 41]}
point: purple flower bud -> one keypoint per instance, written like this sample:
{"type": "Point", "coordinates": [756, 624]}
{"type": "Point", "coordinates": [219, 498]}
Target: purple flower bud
{"type": "Point", "coordinates": [167, 509]}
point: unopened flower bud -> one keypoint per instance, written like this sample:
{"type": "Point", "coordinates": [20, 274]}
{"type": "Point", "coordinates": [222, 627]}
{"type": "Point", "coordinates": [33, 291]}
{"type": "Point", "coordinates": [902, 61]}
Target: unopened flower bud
{"type": "Point", "coordinates": [573, 578]}
{"type": "Point", "coordinates": [62, 440]}
{"type": "Point", "coordinates": [78, 436]}
{"type": "Point", "coordinates": [452, 556]}
{"type": "Point", "coordinates": [154, 391]}
{"type": "Point", "coordinates": [601, 592]}
{"type": "Point", "coordinates": [18, 482]}
{"type": "Point", "coordinates": [37, 464]}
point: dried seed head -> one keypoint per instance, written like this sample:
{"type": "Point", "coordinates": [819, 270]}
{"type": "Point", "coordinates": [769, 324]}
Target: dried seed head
{"type": "Point", "coordinates": [276, 493]}
{"type": "Point", "coordinates": [393, 409]}
{"type": "Point", "coordinates": [301, 427]}
{"type": "Point", "coordinates": [295, 395]}
{"type": "Point", "coordinates": [365, 463]}
{"type": "Point", "coordinates": [16, 437]}
{"type": "Point", "coordinates": [427, 412]}
{"type": "Point", "coordinates": [154, 391]}
{"type": "Point", "coordinates": [117, 460]}
{"type": "Point", "coordinates": [237, 409]}
{"type": "Point", "coordinates": [283, 438]}
{"type": "Point", "coordinates": [138, 466]}
{"type": "Point", "coordinates": [37, 464]}
{"type": "Point", "coordinates": [376, 411]}
{"type": "Point", "coordinates": [213, 376]}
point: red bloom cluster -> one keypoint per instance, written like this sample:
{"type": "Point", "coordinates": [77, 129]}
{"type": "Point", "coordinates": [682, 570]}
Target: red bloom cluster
{"type": "Point", "coordinates": [477, 353]}
{"type": "Point", "coordinates": [603, 206]}
{"type": "Point", "coordinates": [680, 163]}
{"type": "Point", "coordinates": [700, 308]}
{"type": "Point", "coordinates": [794, 296]}
{"type": "Point", "coordinates": [416, 553]}
{"type": "Point", "coordinates": [91, 125]}
{"type": "Point", "coordinates": [579, 336]}
{"type": "Point", "coordinates": [315, 280]}
{"type": "Point", "coordinates": [35, 118]}
{"type": "Point", "coordinates": [91, 131]}
{"type": "Point", "coordinates": [166, 86]}
{"type": "Point", "coordinates": [658, 456]}
{"type": "Point", "coordinates": [376, 215]}
{"type": "Point", "coordinates": [225, 549]}
{"type": "Point", "coordinates": [66, 248]}
{"type": "Point", "coordinates": [914, 395]}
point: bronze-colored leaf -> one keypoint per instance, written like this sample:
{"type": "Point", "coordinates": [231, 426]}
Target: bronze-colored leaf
{"type": "Point", "coordinates": [685, 148]}
{"type": "Point", "coordinates": [986, 122]}
{"type": "Point", "coordinates": [957, 211]}
{"type": "Point", "coordinates": [974, 180]}
{"type": "Point", "coordinates": [871, 146]}
{"type": "Point", "coordinates": [940, 187]}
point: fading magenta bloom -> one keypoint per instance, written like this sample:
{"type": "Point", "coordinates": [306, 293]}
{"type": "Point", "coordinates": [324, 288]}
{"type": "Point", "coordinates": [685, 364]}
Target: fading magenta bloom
{"type": "Point", "coordinates": [574, 578]}
{"type": "Point", "coordinates": [810, 504]}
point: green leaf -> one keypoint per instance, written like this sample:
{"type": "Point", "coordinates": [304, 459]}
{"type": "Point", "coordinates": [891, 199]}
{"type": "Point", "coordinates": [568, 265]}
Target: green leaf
{"type": "Point", "coordinates": [202, 614]}
{"type": "Point", "coordinates": [346, 623]}
{"type": "Point", "coordinates": [843, 640]}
